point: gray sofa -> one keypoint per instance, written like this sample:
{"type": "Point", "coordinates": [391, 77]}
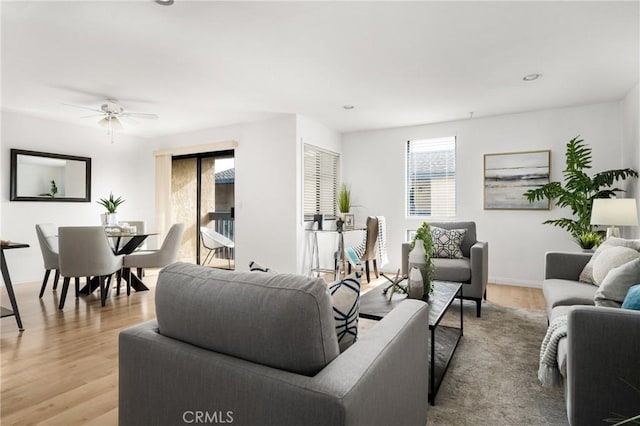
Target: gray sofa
{"type": "Point", "coordinates": [472, 270]}
{"type": "Point", "coordinates": [600, 358]}
{"type": "Point", "coordinates": [252, 348]}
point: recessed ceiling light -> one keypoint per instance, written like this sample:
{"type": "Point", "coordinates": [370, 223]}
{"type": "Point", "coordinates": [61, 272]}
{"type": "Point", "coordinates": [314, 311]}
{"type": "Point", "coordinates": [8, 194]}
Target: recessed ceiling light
{"type": "Point", "coordinates": [531, 77]}
{"type": "Point", "coordinates": [348, 106]}
{"type": "Point", "coordinates": [164, 2]}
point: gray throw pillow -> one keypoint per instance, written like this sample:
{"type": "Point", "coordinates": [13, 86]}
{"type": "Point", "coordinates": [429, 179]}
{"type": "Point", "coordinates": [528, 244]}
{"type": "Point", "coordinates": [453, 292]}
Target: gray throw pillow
{"type": "Point", "coordinates": [617, 283]}
{"type": "Point", "coordinates": [446, 242]}
{"type": "Point", "coordinates": [612, 258]}
{"type": "Point", "coordinates": [586, 276]}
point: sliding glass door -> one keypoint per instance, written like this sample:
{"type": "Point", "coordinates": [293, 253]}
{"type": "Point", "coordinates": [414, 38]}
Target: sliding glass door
{"type": "Point", "coordinates": [202, 195]}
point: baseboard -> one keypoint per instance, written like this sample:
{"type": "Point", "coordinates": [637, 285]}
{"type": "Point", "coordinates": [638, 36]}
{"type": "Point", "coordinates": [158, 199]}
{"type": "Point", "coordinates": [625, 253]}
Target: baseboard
{"type": "Point", "coordinates": [516, 283]}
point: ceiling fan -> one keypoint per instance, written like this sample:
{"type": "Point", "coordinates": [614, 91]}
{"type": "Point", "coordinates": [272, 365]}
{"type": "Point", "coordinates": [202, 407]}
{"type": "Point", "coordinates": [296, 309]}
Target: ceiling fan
{"type": "Point", "coordinates": [112, 114]}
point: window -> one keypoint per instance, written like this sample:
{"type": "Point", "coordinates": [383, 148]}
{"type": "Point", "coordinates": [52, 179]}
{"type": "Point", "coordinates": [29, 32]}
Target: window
{"type": "Point", "coordinates": [320, 182]}
{"type": "Point", "coordinates": [431, 177]}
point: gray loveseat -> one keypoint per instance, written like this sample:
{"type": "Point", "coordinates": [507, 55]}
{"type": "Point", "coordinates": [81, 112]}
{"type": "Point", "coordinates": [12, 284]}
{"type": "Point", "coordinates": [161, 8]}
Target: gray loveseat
{"type": "Point", "coordinates": [472, 270]}
{"type": "Point", "coordinates": [600, 357]}
{"type": "Point", "coordinates": [251, 348]}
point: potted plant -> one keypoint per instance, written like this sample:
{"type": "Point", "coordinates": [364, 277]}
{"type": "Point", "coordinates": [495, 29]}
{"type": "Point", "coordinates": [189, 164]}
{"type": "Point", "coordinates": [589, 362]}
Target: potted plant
{"type": "Point", "coordinates": [423, 236]}
{"type": "Point", "coordinates": [589, 240]}
{"type": "Point", "coordinates": [111, 204]}
{"type": "Point", "coordinates": [578, 192]}
{"type": "Point", "coordinates": [344, 199]}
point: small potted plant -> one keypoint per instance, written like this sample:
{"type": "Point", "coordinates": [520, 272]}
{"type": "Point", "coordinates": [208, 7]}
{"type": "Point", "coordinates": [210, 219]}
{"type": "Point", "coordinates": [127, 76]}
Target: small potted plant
{"type": "Point", "coordinates": [423, 237]}
{"type": "Point", "coordinates": [344, 199]}
{"type": "Point", "coordinates": [111, 204]}
{"type": "Point", "coordinates": [589, 240]}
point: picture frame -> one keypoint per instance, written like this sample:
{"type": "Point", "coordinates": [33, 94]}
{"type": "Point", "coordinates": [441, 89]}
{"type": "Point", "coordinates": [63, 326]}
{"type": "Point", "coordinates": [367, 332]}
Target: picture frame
{"type": "Point", "coordinates": [349, 221]}
{"type": "Point", "coordinates": [507, 176]}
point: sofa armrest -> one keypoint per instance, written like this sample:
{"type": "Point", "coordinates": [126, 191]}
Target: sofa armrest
{"type": "Point", "coordinates": [162, 380]}
{"type": "Point", "coordinates": [602, 364]}
{"type": "Point", "coordinates": [564, 265]}
{"type": "Point", "coordinates": [479, 258]}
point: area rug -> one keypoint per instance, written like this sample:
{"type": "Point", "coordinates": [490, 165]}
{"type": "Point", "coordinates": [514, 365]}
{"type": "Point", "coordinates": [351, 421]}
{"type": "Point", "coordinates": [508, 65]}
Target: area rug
{"type": "Point", "coordinates": [492, 378]}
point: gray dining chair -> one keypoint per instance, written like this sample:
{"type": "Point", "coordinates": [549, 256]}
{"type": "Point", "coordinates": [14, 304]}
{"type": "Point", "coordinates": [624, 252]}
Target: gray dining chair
{"type": "Point", "coordinates": [48, 239]}
{"type": "Point", "coordinates": [85, 252]}
{"type": "Point", "coordinates": [167, 254]}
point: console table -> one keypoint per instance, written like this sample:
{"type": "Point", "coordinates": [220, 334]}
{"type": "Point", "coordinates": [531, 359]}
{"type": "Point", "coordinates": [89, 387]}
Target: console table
{"type": "Point", "coordinates": [7, 282]}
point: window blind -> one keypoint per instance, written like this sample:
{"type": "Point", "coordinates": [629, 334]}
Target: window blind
{"type": "Point", "coordinates": [320, 182]}
{"type": "Point", "coordinates": [431, 177]}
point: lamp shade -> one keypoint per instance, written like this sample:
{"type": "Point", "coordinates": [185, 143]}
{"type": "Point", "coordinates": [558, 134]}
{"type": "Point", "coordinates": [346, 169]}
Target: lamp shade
{"type": "Point", "coordinates": [614, 211]}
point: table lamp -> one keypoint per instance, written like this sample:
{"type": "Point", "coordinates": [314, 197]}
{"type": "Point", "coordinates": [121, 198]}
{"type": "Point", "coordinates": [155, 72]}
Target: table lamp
{"type": "Point", "coordinates": [614, 211]}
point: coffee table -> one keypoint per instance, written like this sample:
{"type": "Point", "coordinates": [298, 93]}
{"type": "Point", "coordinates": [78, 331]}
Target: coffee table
{"type": "Point", "coordinates": [375, 305]}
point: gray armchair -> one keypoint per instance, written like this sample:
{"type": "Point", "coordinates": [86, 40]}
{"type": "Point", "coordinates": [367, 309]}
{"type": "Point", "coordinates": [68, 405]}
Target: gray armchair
{"type": "Point", "coordinates": [472, 270]}
{"type": "Point", "coordinates": [261, 348]}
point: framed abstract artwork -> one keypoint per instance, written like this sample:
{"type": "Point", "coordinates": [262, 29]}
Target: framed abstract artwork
{"type": "Point", "coordinates": [507, 176]}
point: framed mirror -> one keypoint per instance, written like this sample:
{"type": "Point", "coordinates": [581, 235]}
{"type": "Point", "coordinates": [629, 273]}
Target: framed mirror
{"type": "Point", "coordinates": [42, 176]}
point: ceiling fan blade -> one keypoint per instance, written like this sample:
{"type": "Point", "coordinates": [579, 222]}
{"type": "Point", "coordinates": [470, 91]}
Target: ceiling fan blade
{"type": "Point", "coordinates": [129, 120]}
{"type": "Point", "coordinates": [83, 107]}
{"type": "Point", "coordinates": [140, 115]}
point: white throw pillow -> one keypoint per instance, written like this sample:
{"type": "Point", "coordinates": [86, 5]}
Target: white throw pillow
{"type": "Point", "coordinates": [612, 258]}
{"type": "Point", "coordinates": [617, 283]}
{"type": "Point", "coordinates": [345, 297]}
{"type": "Point", "coordinates": [586, 276]}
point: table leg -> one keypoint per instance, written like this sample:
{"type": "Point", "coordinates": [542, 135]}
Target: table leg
{"type": "Point", "coordinates": [9, 286]}
{"type": "Point", "coordinates": [432, 365]}
{"type": "Point", "coordinates": [133, 280]}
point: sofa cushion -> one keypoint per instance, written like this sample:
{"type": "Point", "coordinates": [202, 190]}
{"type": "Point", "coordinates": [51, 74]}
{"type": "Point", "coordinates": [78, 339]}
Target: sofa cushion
{"type": "Point", "coordinates": [632, 299]}
{"type": "Point", "coordinates": [617, 283]}
{"type": "Point", "coordinates": [559, 292]}
{"type": "Point", "coordinates": [345, 297]}
{"type": "Point", "coordinates": [283, 321]}
{"type": "Point", "coordinates": [452, 269]}
{"type": "Point", "coordinates": [612, 258]}
{"type": "Point", "coordinates": [587, 273]}
{"type": "Point", "coordinates": [446, 242]}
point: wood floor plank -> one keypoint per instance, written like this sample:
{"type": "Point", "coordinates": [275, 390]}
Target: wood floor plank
{"type": "Point", "coordinates": [63, 369]}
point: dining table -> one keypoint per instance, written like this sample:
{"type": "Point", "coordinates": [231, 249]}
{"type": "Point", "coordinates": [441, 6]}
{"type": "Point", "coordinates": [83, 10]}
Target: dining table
{"type": "Point", "coordinates": [123, 242]}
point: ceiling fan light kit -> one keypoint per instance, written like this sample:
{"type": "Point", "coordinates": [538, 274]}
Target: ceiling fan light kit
{"type": "Point", "coordinates": [112, 112]}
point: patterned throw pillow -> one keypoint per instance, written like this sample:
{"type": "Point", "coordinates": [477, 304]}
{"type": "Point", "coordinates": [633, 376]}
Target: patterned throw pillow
{"type": "Point", "coordinates": [446, 242]}
{"type": "Point", "coordinates": [254, 266]}
{"type": "Point", "coordinates": [345, 297]}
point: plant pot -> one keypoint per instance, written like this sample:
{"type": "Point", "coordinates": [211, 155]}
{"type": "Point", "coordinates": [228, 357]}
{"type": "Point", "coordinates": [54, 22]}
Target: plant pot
{"type": "Point", "coordinates": [103, 219]}
{"type": "Point", "coordinates": [112, 219]}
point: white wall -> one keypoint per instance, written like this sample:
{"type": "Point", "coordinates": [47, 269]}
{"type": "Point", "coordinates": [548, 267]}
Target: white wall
{"type": "Point", "coordinates": [125, 167]}
{"type": "Point", "coordinates": [374, 164]}
{"type": "Point", "coordinates": [265, 188]}
{"type": "Point", "coordinates": [631, 151]}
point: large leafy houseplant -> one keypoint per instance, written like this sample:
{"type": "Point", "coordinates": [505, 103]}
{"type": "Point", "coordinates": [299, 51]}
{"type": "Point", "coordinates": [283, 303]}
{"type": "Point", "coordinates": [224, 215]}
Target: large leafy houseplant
{"type": "Point", "coordinates": [578, 192]}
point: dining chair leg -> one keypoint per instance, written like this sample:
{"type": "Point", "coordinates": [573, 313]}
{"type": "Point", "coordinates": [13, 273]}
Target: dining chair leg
{"type": "Point", "coordinates": [140, 272]}
{"type": "Point", "coordinates": [65, 288]}
{"type": "Point", "coordinates": [44, 282]}
{"type": "Point", "coordinates": [118, 280]}
{"type": "Point", "coordinates": [127, 278]}
{"type": "Point", "coordinates": [77, 282]}
{"type": "Point", "coordinates": [55, 280]}
{"type": "Point", "coordinates": [103, 293]}
{"type": "Point", "coordinates": [366, 268]}
{"type": "Point", "coordinates": [375, 267]}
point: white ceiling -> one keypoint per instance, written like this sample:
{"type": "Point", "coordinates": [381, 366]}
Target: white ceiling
{"type": "Point", "coordinates": [207, 64]}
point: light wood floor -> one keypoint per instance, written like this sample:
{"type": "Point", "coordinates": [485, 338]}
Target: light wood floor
{"type": "Point", "coordinates": [63, 369]}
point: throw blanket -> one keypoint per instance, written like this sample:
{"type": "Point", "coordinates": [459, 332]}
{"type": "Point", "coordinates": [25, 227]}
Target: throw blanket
{"type": "Point", "coordinates": [549, 373]}
{"type": "Point", "coordinates": [355, 253]}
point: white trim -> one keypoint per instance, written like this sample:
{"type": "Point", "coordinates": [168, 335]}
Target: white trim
{"type": "Point", "coordinates": [516, 283]}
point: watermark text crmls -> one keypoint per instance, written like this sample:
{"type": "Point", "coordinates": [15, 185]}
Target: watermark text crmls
{"type": "Point", "coordinates": [207, 417]}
